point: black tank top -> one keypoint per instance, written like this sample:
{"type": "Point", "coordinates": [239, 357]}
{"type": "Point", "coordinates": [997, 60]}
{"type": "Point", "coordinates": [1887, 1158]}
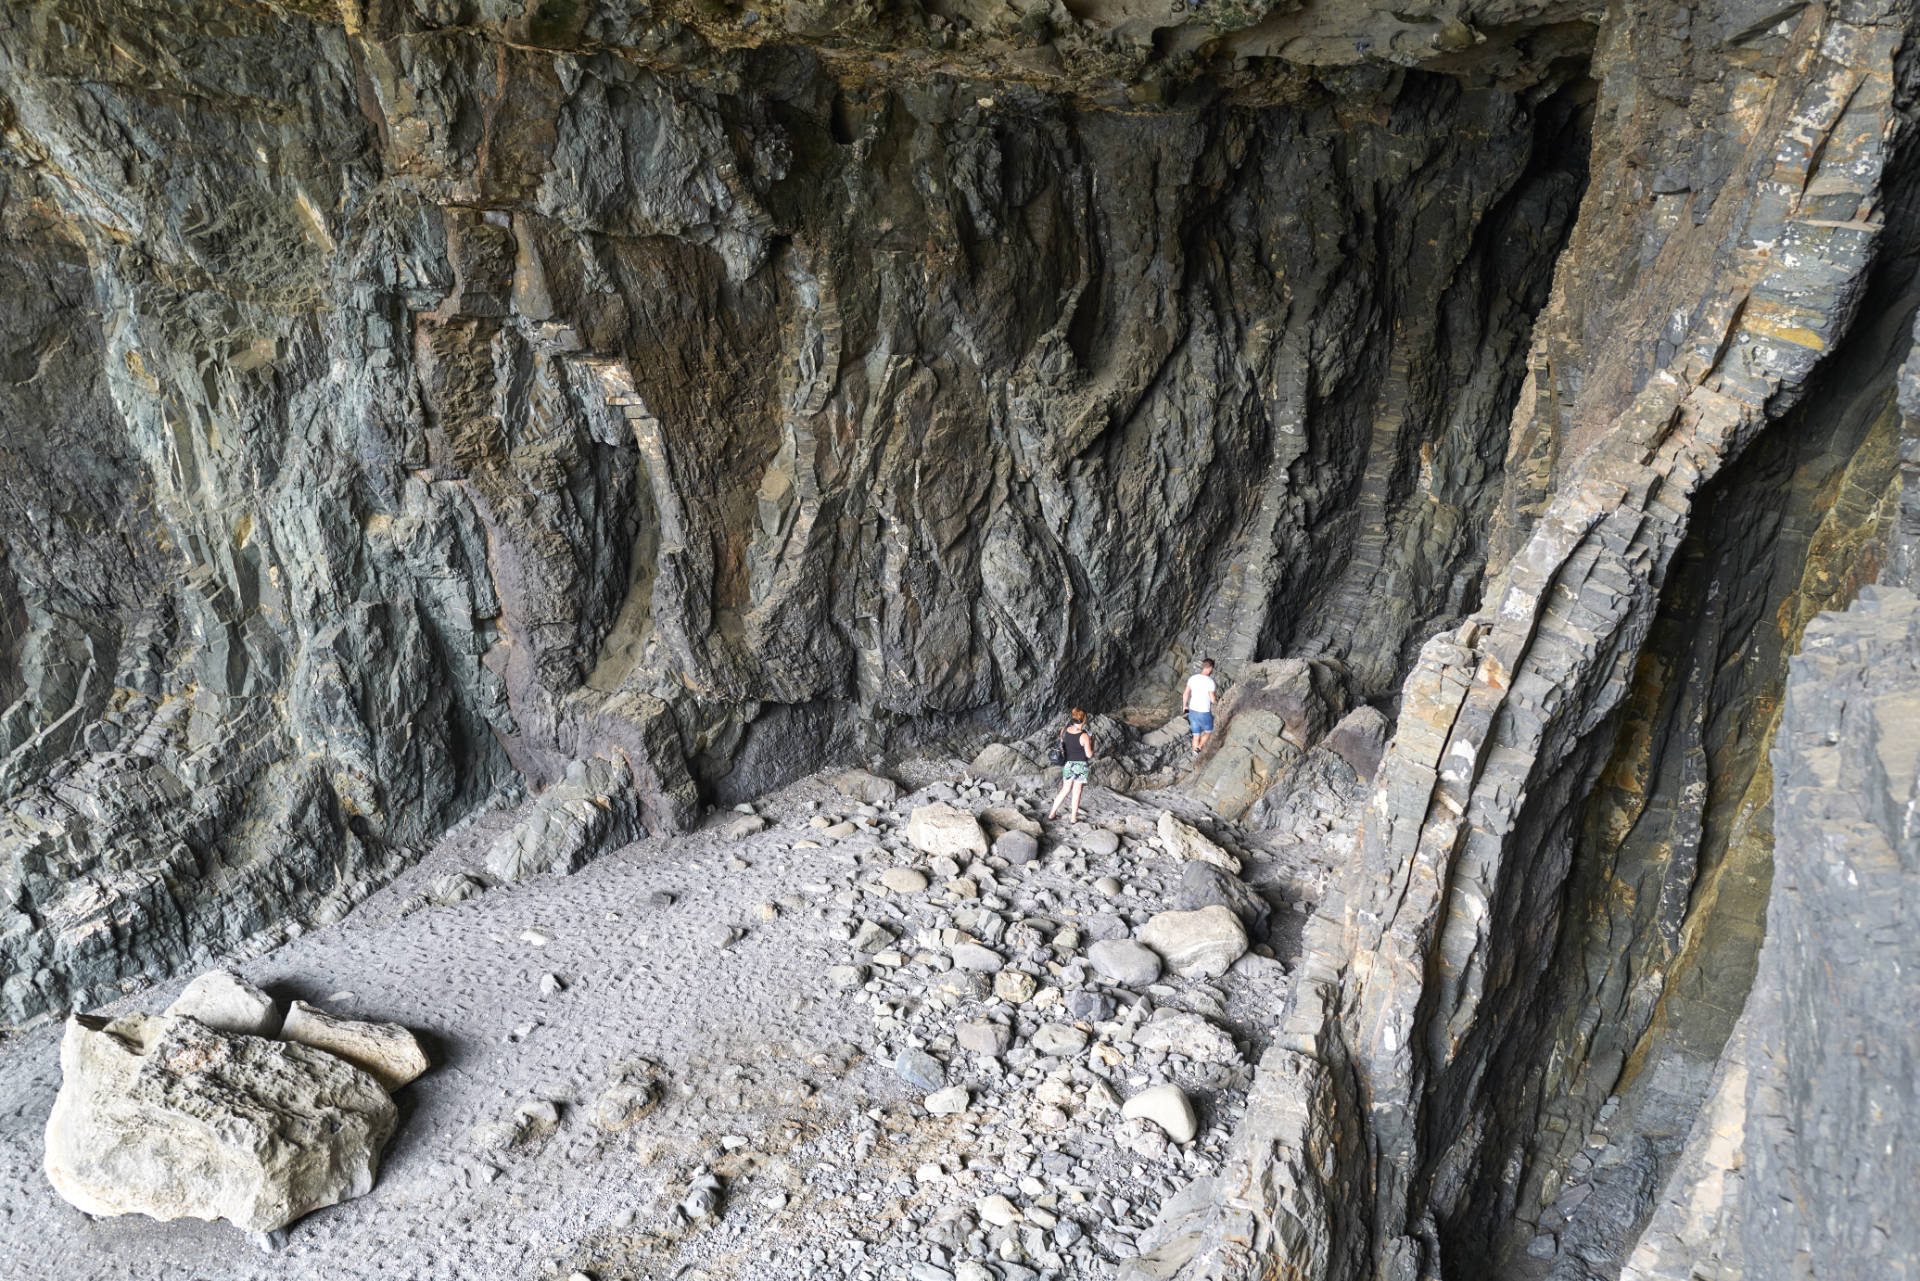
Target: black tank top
{"type": "Point", "coordinates": [1074, 745]}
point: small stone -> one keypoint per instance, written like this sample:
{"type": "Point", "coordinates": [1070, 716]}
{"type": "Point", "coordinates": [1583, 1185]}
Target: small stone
{"type": "Point", "coordinates": [1014, 987]}
{"type": "Point", "coordinates": [1059, 1040]}
{"type": "Point", "coordinates": [1125, 962]}
{"type": "Point", "coordinates": [846, 976]}
{"type": "Point", "coordinates": [961, 984]}
{"type": "Point", "coordinates": [871, 937]}
{"type": "Point", "coordinates": [997, 1210]}
{"type": "Point", "coordinates": [962, 888]}
{"type": "Point", "coordinates": [1109, 886]}
{"type": "Point", "coordinates": [948, 1102]}
{"type": "Point", "coordinates": [1093, 1007]}
{"type": "Point", "coordinates": [1018, 848]}
{"type": "Point", "coordinates": [973, 956]}
{"type": "Point", "coordinates": [766, 911]}
{"type": "Point", "coordinates": [1100, 842]}
{"type": "Point", "coordinates": [551, 985]}
{"type": "Point", "coordinates": [1167, 1107]}
{"type": "Point", "coordinates": [703, 1196]}
{"type": "Point", "coordinates": [983, 1036]}
{"type": "Point", "coordinates": [904, 880]}
{"type": "Point", "coordinates": [920, 1070]}
{"type": "Point", "coordinates": [744, 826]}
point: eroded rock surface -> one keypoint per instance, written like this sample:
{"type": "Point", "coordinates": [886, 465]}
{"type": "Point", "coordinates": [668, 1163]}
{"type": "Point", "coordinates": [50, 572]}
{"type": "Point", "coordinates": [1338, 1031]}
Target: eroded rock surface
{"type": "Point", "coordinates": [166, 1117]}
{"type": "Point", "coordinates": [589, 385]}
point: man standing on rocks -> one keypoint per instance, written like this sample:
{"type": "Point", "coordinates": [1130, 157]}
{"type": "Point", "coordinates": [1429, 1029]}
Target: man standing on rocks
{"type": "Point", "coordinates": [1076, 745]}
{"type": "Point", "coordinates": [1197, 703]}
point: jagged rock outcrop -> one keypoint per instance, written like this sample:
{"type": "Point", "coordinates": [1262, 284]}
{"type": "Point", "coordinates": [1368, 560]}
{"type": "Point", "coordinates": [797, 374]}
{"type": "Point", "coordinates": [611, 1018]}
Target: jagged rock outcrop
{"type": "Point", "coordinates": [467, 395]}
{"type": "Point", "coordinates": [1444, 1046]}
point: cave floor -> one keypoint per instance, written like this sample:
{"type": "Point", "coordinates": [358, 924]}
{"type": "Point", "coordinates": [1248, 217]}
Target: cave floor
{"type": "Point", "coordinates": [779, 1083]}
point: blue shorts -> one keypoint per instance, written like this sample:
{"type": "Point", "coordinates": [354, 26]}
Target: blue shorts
{"type": "Point", "coordinates": [1200, 722]}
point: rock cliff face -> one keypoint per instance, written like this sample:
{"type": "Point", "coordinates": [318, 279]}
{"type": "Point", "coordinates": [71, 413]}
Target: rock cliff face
{"type": "Point", "coordinates": [407, 402]}
{"type": "Point", "coordinates": [466, 409]}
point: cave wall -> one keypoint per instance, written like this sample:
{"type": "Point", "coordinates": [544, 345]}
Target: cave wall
{"type": "Point", "coordinates": [1443, 1049]}
{"type": "Point", "coordinates": [1796, 1165]}
{"type": "Point", "coordinates": [717, 410]}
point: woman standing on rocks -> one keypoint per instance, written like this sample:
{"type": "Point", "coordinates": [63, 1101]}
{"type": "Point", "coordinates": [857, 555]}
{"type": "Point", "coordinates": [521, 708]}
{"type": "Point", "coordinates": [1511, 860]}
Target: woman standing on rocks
{"type": "Point", "coordinates": [1076, 747]}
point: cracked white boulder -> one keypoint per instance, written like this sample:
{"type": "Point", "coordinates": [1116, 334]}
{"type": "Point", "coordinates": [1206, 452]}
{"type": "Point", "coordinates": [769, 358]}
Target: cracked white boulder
{"type": "Point", "coordinates": [1184, 842]}
{"type": "Point", "coordinates": [167, 1117]}
{"type": "Point", "coordinates": [226, 1002]}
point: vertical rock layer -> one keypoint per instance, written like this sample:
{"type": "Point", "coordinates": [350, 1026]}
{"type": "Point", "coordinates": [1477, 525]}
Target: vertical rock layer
{"type": "Point", "coordinates": [1560, 877]}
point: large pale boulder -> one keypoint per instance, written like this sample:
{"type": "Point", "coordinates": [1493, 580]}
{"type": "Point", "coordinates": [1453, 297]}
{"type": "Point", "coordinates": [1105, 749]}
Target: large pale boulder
{"type": "Point", "coordinates": [224, 1001]}
{"type": "Point", "coordinates": [1184, 843]}
{"type": "Point", "coordinates": [167, 1117]}
{"type": "Point", "coordinates": [1198, 944]}
{"type": "Point", "coordinates": [387, 1050]}
{"type": "Point", "coordinates": [873, 789]}
{"type": "Point", "coordinates": [940, 829]}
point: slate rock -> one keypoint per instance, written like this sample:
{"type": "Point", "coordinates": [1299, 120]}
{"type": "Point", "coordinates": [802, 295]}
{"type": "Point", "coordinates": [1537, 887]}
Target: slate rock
{"type": "Point", "coordinates": [1206, 885]}
{"type": "Point", "coordinates": [1018, 848]}
{"type": "Point", "coordinates": [920, 1070]}
{"type": "Point", "coordinates": [1185, 843]}
{"type": "Point", "coordinates": [867, 788]}
{"type": "Point", "coordinates": [941, 829]}
{"type": "Point", "coordinates": [1058, 1040]}
{"type": "Point", "coordinates": [982, 1036]}
{"type": "Point", "coordinates": [1125, 962]}
{"type": "Point", "coordinates": [389, 1052]}
{"type": "Point", "coordinates": [1179, 1032]}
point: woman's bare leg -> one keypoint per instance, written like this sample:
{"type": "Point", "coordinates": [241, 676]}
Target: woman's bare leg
{"type": "Point", "coordinates": [1066, 784]}
{"type": "Point", "coordinates": [1077, 785]}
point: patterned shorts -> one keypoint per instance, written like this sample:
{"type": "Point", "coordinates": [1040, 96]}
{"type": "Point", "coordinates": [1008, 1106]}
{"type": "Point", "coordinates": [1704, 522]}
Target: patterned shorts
{"type": "Point", "coordinates": [1073, 771]}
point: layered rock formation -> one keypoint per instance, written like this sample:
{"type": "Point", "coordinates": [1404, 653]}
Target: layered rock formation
{"type": "Point", "coordinates": [469, 409]}
{"type": "Point", "coordinates": [650, 403]}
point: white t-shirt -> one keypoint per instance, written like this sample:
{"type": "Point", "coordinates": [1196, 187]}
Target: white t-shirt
{"type": "Point", "coordinates": [1200, 693]}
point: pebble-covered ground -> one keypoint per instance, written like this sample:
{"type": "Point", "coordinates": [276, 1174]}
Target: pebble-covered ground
{"type": "Point", "coordinates": [812, 1050]}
